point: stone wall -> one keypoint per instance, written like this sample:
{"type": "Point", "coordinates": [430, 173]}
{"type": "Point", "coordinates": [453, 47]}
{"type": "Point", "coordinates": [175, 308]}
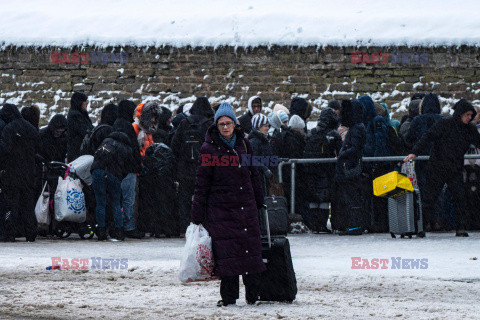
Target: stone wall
{"type": "Point", "coordinates": [175, 75]}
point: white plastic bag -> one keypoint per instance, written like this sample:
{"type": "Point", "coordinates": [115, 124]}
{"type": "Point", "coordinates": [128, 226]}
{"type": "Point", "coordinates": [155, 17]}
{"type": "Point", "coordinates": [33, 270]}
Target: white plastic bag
{"type": "Point", "coordinates": [42, 207]}
{"type": "Point", "coordinates": [197, 257]}
{"type": "Point", "coordinates": [82, 166]}
{"type": "Point", "coordinates": [69, 202]}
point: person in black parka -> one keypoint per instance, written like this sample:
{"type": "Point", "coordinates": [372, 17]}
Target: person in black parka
{"type": "Point", "coordinates": [157, 201]}
{"type": "Point", "coordinates": [107, 119]}
{"type": "Point", "coordinates": [164, 131]}
{"type": "Point", "coordinates": [323, 141]}
{"type": "Point", "coordinates": [2, 213]}
{"type": "Point", "coordinates": [451, 138]}
{"type": "Point", "coordinates": [79, 124]}
{"type": "Point", "coordinates": [54, 139]}
{"type": "Point", "coordinates": [349, 213]}
{"type": "Point", "coordinates": [261, 146]}
{"type": "Point", "coordinates": [186, 144]}
{"type": "Point", "coordinates": [19, 145]}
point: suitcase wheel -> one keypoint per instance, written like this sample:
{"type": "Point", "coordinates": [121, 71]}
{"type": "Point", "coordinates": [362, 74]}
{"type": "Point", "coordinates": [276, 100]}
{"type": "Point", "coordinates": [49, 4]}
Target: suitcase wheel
{"type": "Point", "coordinates": [402, 236]}
{"type": "Point", "coordinates": [393, 236]}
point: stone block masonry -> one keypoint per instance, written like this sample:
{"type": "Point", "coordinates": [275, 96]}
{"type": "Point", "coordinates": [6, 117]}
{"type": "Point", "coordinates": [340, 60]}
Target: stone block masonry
{"type": "Point", "coordinates": [47, 76]}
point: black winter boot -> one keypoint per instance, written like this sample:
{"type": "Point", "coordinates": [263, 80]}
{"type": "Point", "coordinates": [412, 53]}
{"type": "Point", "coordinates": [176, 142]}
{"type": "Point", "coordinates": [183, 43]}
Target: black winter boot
{"type": "Point", "coordinates": [119, 235]}
{"type": "Point", "coordinates": [101, 234]}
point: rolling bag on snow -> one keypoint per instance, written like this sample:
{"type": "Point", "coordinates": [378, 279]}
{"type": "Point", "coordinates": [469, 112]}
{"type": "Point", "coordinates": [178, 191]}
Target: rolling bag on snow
{"type": "Point", "coordinates": [404, 203]}
{"type": "Point", "coordinates": [278, 282]}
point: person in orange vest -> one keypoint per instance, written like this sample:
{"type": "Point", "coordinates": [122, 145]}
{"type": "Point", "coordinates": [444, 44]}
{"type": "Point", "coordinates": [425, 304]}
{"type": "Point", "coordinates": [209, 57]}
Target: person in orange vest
{"type": "Point", "coordinates": [146, 123]}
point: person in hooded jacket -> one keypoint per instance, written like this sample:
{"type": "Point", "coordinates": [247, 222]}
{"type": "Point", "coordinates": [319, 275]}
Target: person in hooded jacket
{"type": "Point", "coordinates": [226, 202]}
{"type": "Point", "coordinates": [32, 115]}
{"type": "Point", "coordinates": [254, 106]}
{"type": "Point", "coordinates": [54, 139]}
{"type": "Point", "coordinates": [262, 147]}
{"type": "Point", "coordinates": [345, 118]}
{"type": "Point", "coordinates": [18, 146]}
{"type": "Point", "coordinates": [177, 119]}
{"type": "Point", "coordinates": [111, 164]}
{"type": "Point", "coordinates": [164, 130]}
{"type": "Point", "coordinates": [157, 201]}
{"type": "Point", "coordinates": [290, 144]}
{"type": "Point", "coordinates": [300, 107]}
{"type": "Point", "coordinates": [429, 115]}
{"type": "Point", "coordinates": [78, 123]}
{"type": "Point", "coordinates": [323, 141]}
{"type": "Point", "coordinates": [126, 112]}
{"type": "Point", "coordinates": [146, 124]}
{"type": "Point", "coordinates": [451, 138]}
{"type": "Point", "coordinates": [413, 111]}
{"type": "Point", "coordinates": [349, 214]}
{"type": "Point", "coordinates": [104, 129]}
{"type": "Point", "coordinates": [186, 145]}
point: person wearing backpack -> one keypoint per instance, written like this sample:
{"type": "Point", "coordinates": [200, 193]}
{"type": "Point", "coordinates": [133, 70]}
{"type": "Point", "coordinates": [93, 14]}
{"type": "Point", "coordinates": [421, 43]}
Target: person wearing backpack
{"type": "Point", "coordinates": [126, 112]}
{"type": "Point", "coordinates": [449, 140]}
{"type": "Point", "coordinates": [164, 130]}
{"type": "Point", "coordinates": [323, 141]}
{"type": "Point", "coordinates": [78, 123]}
{"type": "Point", "coordinates": [186, 145]}
{"type": "Point", "coordinates": [429, 116]}
{"type": "Point", "coordinates": [110, 166]}
{"type": "Point", "coordinates": [94, 138]}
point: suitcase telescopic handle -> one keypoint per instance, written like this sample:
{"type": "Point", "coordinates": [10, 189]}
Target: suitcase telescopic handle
{"type": "Point", "coordinates": [267, 225]}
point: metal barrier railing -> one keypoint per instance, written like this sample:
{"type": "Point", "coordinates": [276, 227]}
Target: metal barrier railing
{"type": "Point", "coordinates": [294, 162]}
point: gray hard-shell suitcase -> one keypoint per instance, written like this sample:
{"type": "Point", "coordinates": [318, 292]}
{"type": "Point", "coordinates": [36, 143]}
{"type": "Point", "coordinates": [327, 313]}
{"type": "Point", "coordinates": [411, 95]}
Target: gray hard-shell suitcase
{"type": "Point", "coordinates": [405, 214]}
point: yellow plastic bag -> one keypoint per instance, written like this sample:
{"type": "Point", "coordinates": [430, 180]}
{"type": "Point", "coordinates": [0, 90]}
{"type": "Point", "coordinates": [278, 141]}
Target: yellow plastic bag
{"type": "Point", "coordinates": [391, 184]}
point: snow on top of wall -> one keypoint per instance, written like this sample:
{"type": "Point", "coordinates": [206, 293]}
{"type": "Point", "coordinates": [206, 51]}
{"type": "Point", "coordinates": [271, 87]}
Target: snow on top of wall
{"type": "Point", "coordinates": [239, 23]}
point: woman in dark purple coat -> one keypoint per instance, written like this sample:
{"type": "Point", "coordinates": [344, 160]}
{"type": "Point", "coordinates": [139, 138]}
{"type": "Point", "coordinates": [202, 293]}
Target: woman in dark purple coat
{"type": "Point", "coordinates": [227, 197]}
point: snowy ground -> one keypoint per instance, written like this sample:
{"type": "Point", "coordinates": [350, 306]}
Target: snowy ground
{"type": "Point", "coordinates": [328, 286]}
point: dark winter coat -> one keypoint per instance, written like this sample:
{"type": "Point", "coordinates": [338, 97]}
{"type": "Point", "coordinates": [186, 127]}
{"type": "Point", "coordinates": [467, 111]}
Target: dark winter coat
{"type": "Point", "coordinates": [413, 111]}
{"type": "Point", "coordinates": [226, 200]}
{"type": "Point", "coordinates": [200, 113]}
{"type": "Point", "coordinates": [354, 143]}
{"type": "Point", "coordinates": [245, 120]}
{"type": "Point", "coordinates": [79, 124]}
{"type": "Point", "coordinates": [300, 107]}
{"type": "Point", "coordinates": [451, 139]}
{"type": "Point", "coordinates": [19, 144]}
{"type": "Point", "coordinates": [429, 115]}
{"type": "Point", "coordinates": [322, 142]}
{"type": "Point", "coordinates": [114, 155]}
{"type": "Point", "coordinates": [105, 127]}
{"type": "Point", "coordinates": [290, 143]}
{"type": "Point", "coordinates": [164, 131]}
{"type": "Point", "coordinates": [52, 148]}
{"type": "Point", "coordinates": [123, 124]}
{"type": "Point", "coordinates": [157, 200]}
{"type": "Point", "coordinates": [261, 146]}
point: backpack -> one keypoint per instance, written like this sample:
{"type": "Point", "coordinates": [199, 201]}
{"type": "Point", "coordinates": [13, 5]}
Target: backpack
{"type": "Point", "coordinates": [194, 136]}
{"type": "Point", "coordinates": [86, 146]}
{"type": "Point", "coordinates": [320, 146]}
{"type": "Point", "coordinates": [377, 144]}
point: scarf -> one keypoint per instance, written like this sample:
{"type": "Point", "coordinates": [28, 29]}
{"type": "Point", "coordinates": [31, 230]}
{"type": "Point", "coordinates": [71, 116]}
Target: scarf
{"type": "Point", "coordinates": [230, 143]}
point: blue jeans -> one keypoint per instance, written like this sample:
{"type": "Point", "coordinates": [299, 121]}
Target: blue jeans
{"type": "Point", "coordinates": [128, 200]}
{"type": "Point", "coordinates": [103, 181]}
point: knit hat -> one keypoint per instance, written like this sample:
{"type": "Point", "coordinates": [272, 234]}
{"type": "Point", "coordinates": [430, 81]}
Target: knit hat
{"type": "Point", "coordinates": [283, 116]}
{"type": "Point", "coordinates": [380, 110]}
{"type": "Point", "coordinates": [226, 110]}
{"type": "Point", "coordinates": [279, 107]}
{"type": "Point", "coordinates": [334, 104]}
{"type": "Point", "coordinates": [296, 122]}
{"type": "Point", "coordinates": [259, 120]}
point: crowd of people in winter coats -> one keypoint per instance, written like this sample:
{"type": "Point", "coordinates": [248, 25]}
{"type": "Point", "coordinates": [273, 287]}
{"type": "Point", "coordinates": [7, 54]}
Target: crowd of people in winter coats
{"type": "Point", "coordinates": [146, 162]}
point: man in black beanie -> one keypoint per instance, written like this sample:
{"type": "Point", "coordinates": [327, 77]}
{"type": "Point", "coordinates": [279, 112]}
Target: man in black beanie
{"type": "Point", "coordinates": [78, 124]}
{"type": "Point", "coordinates": [451, 138]}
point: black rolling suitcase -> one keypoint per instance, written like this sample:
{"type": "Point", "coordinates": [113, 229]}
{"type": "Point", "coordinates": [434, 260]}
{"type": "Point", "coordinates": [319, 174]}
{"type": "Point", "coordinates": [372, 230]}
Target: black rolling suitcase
{"type": "Point", "coordinates": [277, 209]}
{"type": "Point", "coordinates": [278, 281]}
